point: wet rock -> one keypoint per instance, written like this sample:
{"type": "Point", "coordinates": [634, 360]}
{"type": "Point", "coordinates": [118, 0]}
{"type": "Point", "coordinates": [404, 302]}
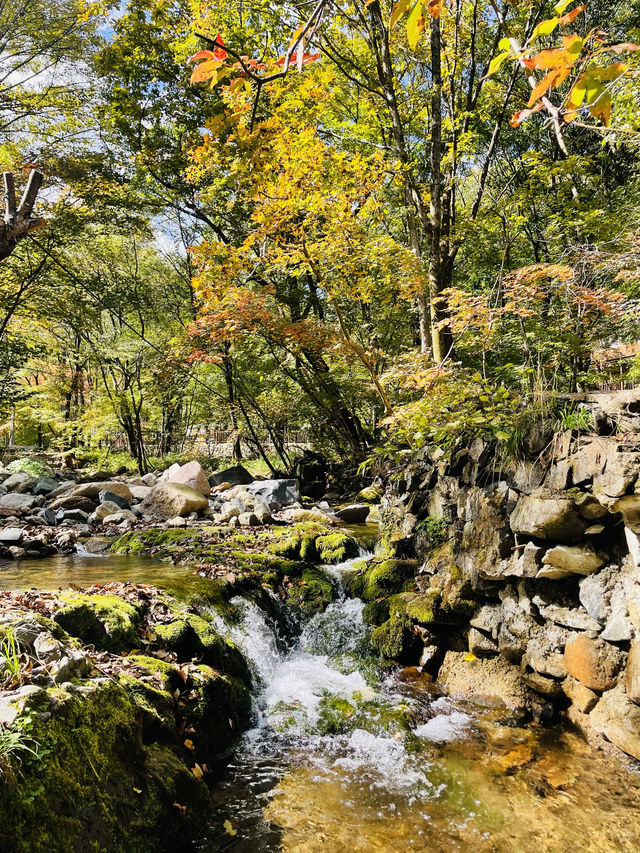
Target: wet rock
{"type": "Point", "coordinates": [618, 719]}
{"type": "Point", "coordinates": [16, 501]}
{"type": "Point", "coordinates": [354, 514]}
{"type": "Point", "coordinates": [107, 495]}
{"type": "Point", "coordinates": [275, 493]}
{"type": "Point", "coordinates": [545, 517]}
{"type": "Point", "coordinates": [580, 695]}
{"type": "Point", "coordinates": [593, 662]}
{"type": "Point", "coordinates": [17, 552]}
{"type": "Point", "coordinates": [167, 500]}
{"type": "Point", "coordinates": [191, 475]}
{"type": "Point", "coordinates": [106, 621]}
{"type": "Point", "coordinates": [488, 681]}
{"type": "Point", "coordinates": [565, 560]}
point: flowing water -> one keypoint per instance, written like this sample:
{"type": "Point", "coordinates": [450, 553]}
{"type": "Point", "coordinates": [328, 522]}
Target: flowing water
{"type": "Point", "coordinates": [348, 757]}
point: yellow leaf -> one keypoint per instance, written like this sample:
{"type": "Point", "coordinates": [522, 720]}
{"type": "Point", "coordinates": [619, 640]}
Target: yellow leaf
{"type": "Point", "coordinates": [138, 790]}
{"type": "Point", "coordinates": [544, 28]}
{"type": "Point", "coordinates": [415, 24]}
{"type": "Point", "coordinates": [398, 11]}
{"type": "Point", "coordinates": [197, 771]}
{"type": "Point", "coordinates": [228, 828]}
{"type": "Point", "coordinates": [496, 63]}
{"type": "Point", "coordinates": [470, 656]}
{"type": "Point", "coordinates": [189, 744]}
{"type": "Point", "coordinates": [561, 6]}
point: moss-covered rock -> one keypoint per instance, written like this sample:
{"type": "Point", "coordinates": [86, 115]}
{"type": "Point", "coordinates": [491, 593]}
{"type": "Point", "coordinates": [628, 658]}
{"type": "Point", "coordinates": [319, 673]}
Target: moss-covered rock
{"type": "Point", "coordinates": [219, 712]}
{"type": "Point", "coordinates": [334, 548]}
{"type": "Point", "coordinates": [379, 578]}
{"type": "Point", "coordinates": [339, 715]}
{"type": "Point", "coordinates": [192, 636]}
{"type": "Point", "coordinates": [106, 621]}
{"type": "Point", "coordinates": [311, 592]}
{"type": "Point", "coordinates": [376, 612]}
{"type": "Point", "coordinates": [92, 785]}
{"type": "Point", "coordinates": [394, 639]}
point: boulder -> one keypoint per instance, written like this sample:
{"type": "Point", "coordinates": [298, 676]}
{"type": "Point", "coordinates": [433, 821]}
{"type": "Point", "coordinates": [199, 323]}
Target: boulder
{"type": "Point", "coordinates": [488, 681]}
{"type": "Point", "coordinates": [275, 492]}
{"type": "Point", "coordinates": [593, 662]}
{"type": "Point", "coordinates": [92, 490]}
{"type": "Point", "coordinates": [562, 561]}
{"type": "Point", "coordinates": [44, 486]}
{"type": "Point", "coordinates": [17, 502]}
{"type": "Point", "coordinates": [191, 475]}
{"type": "Point", "coordinates": [19, 482]}
{"type": "Point", "coordinates": [354, 514]}
{"type": "Point", "coordinates": [112, 497]}
{"type": "Point", "coordinates": [297, 515]}
{"type": "Point", "coordinates": [544, 517]}
{"type": "Point", "coordinates": [237, 475]}
{"type": "Point", "coordinates": [618, 719]}
{"type": "Point", "coordinates": [167, 500]}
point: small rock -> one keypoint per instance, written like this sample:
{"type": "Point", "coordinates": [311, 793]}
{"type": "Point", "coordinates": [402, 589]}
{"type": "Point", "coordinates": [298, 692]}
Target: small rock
{"type": "Point", "coordinates": [566, 560]}
{"type": "Point", "coordinates": [177, 521]}
{"type": "Point", "coordinates": [120, 517]}
{"type": "Point", "coordinates": [44, 486]}
{"type": "Point", "coordinates": [105, 509]}
{"type": "Point", "coordinates": [236, 476]}
{"type": "Point", "coordinates": [581, 696]}
{"type": "Point", "coordinates": [48, 516]}
{"type": "Point", "coordinates": [11, 535]}
{"type": "Point", "coordinates": [248, 519]}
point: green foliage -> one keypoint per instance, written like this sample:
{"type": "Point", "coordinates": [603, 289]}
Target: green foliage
{"type": "Point", "coordinates": [10, 656]}
{"type": "Point", "coordinates": [435, 527]}
{"type": "Point", "coordinates": [575, 417]}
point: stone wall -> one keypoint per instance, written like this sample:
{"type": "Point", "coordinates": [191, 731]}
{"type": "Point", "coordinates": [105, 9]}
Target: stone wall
{"type": "Point", "coordinates": [539, 562]}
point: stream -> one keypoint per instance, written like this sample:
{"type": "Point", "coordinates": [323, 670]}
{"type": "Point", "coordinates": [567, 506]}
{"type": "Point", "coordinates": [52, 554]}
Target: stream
{"type": "Point", "coordinates": [346, 756]}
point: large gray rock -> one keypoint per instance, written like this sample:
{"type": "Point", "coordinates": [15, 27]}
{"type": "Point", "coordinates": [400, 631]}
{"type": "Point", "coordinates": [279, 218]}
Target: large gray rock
{"type": "Point", "coordinates": [166, 500]}
{"type": "Point", "coordinates": [487, 542]}
{"type": "Point", "coordinates": [280, 492]}
{"type": "Point", "coordinates": [17, 501]}
{"type": "Point", "coordinates": [565, 560]}
{"type": "Point", "coordinates": [544, 517]}
{"type": "Point", "coordinates": [191, 475]}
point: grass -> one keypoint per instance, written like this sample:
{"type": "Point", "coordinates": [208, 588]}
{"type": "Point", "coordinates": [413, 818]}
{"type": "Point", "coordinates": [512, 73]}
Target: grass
{"type": "Point", "coordinates": [10, 652]}
{"type": "Point", "coordinates": [12, 745]}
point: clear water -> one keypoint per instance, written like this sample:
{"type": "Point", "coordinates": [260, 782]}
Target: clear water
{"type": "Point", "coordinates": [405, 769]}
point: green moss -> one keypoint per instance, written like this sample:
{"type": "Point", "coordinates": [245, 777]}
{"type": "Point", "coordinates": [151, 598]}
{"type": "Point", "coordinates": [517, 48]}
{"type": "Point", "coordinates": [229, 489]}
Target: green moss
{"type": "Point", "coordinates": [338, 715]}
{"type": "Point", "coordinates": [376, 612]}
{"type": "Point", "coordinates": [105, 621]}
{"type": "Point", "coordinates": [394, 640]}
{"type": "Point", "coordinates": [423, 608]}
{"type": "Point", "coordinates": [93, 785]}
{"type": "Point", "coordinates": [141, 541]}
{"type": "Point", "coordinates": [380, 578]}
{"type": "Point", "coordinates": [219, 712]}
{"type": "Point", "coordinates": [190, 636]}
{"type": "Point", "coordinates": [334, 548]}
{"type": "Point", "coordinates": [312, 592]}
{"type": "Point", "coordinates": [155, 705]}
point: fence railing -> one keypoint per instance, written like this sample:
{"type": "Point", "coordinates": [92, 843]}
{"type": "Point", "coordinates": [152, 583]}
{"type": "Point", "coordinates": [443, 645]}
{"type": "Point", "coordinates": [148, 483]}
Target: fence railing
{"type": "Point", "coordinates": [209, 442]}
